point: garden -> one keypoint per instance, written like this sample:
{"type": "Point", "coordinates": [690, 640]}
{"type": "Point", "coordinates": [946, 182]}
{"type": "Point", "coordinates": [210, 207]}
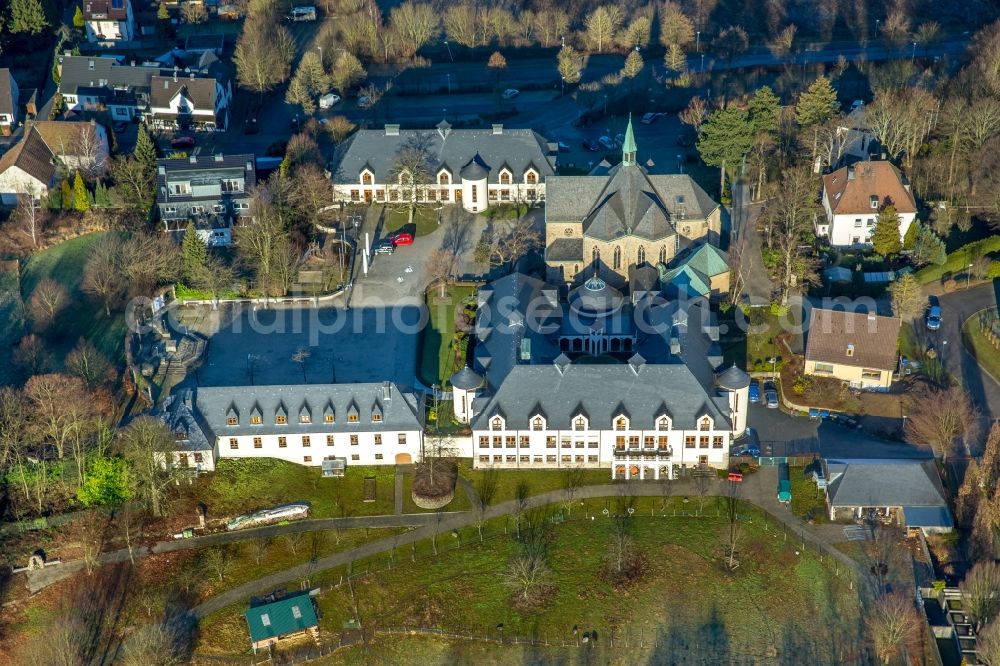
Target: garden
{"type": "Point", "coordinates": [444, 341]}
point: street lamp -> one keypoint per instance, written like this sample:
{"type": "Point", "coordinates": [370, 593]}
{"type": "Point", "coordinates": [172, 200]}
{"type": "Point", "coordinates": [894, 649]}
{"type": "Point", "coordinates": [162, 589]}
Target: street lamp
{"type": "Point", "coordinates": [563, 86]}
{"type": "Point", "coordinates": [703, 63]}
{"type": "Point", "coordinates": [562, 38]}
{"type": "Point", "coordinates": [876, 27]}
{"type": "Point", "coordinates": [605, 105]}
{"type": "Point", "coordinates": [774, 366]}
{"type": "Point", "coordinates": [448, 76]}
{"type": "Point", "coordinates": [697, 41]}
{"type": "Point", "coordinates": [968, 274]}
{"type": "Point", "coordinates": [320, 54]}
{"type": "Point", "coordinates": [449, 50]}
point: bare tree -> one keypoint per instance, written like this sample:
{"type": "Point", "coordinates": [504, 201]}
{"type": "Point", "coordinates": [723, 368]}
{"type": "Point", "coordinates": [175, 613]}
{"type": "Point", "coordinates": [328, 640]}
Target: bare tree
{"type": "Point", "coordinates": [731, 506]}
{"type": "Point", "coordinates": [88, 363]}
{"type": "Point", "coordinates": [263, 55]}
{"type": "Point", "coordinates": [149, 446]}
{"type": "Point", "coordinates": [259, 546]}
{"type": "Point", "coordinates": [410, 173]}
{"type": "Point", "coordinates": [486, 490]}
{"type": "Point", "coordinates": [907, 298]}
{"type": "Point", "coordinates": [981, 592]}
{"type": "Point", "coordinates": [219, 559]}
{"type": "Point", "coordinates": [621, 547]}
{"type": "Point", "coordinates": [58, 403]}
{"type": "Point", "coordinates": [148, 260]}
{"type": "Point", "coordinates": [901, 120]}
{"type": "Point", "coordinates": [300, 356]}
{"type": "Point", "coordinates": [293, 541]}
{"type": "Point", "coordinates": [938, 417]}
{"type": "Point", "coordinates": [48, 300]}
{"type": "Point", "coordinates": [442, 265]}
{"type": "Point", "coordinates": [893, 625]}
{"type": "Point", "coordinates": [695, 113]}
{"type": "Point", "coordinates": [339, 128]}
{"type": "Point", "coordinates": [102, 274]}
{"type": "Point", "coordinates": [415, 24]}
{"type": "Point", "coordinates": [153, 644]}
{"type": "Point", "coordinates": [504, 246]}
{"type": "Point", "coordinates": [788, 221]}
{"type": "Point", "coordinates": [525, 573]}
{"type": "Point", "coordinates": [988, 644]}
{"type": "Point", "coordinates": [702, 484]}
{"type": "Point", "coordinates": [602, 24]}
{"type": "Point", "coordinates": [879, 553]}
{"type": "Point", "coordinates": [30, 218]}
{"type": "Point", "coordinates": [572, 480]}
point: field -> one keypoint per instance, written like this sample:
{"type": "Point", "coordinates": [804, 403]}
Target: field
{"type": "Point", "coordinates": [538, 480]}
{"type": "Point", "coordinates": [436, 358]}
{"type": "Point", "coordinates": [239, 486]}
{"type": "Point", "coordinates": [64, 263]}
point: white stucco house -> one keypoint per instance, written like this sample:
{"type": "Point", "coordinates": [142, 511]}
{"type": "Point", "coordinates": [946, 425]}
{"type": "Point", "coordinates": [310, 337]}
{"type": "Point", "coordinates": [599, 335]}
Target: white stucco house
{"type": "Point", "coordinates": [854, 195]}
{"type": "Point", "coordinates": [109, 20]}
{"type": "Point", "coordinates": [476, 168]}
{"type": "Point", "coordinates": [9, 102]}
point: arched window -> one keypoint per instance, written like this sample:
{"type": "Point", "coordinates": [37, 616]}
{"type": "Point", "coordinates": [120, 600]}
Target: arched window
{"type": "Point", "coordinates": [580, 423]}
{"type": "Point", "coordinates": [640, 255]}
{"type": "Point", "coordinates": [497, 424]}
{"type": "Point", "coordinates": [618, 257]}
{"type": "Point", "coordinates": [663, 423]}
{"type": "Point", "coordinates": [505, 178]}
{"type": "Point", "coordinates": [621, 423]}
{"type": "Point", "coordinates": [443, 179]}
{"type": "Point", "coordinates": [536, 423]}
{"type": "Point", "coordinates": [366, 178]}
{"type": "Point", "coordinates": [663, 254]}
{"type": "Point", "coordinates": [706, 424]}
{"type": "Point", "coordinates": [531, 178]}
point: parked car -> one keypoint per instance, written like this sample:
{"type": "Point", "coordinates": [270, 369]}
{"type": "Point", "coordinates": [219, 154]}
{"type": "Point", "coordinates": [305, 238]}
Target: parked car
{"type": "Point", "coordinates": [607, 143]}
{"type": "Point", "coordinates": [591, 145]}
{"type": "Point", "coordinates": [650, 118]}
{"type": "Point", "coordinates": [511, 93]}
{"type": "Point", "coordinates": [934, 314]}
{"type": "Point", "coordinates": [563, 148]}
{"type": "Point", "coordinates": [770, 396]}
{"type": "Point", "coordinates": [182, 142]}
{"type": "Point", "coordinates": [754, 391]}
{"type": "Point", "coordinates": [747, 444]}
{"type": "Point", "coordinates": [385, 247]}
{"type": "Point", "coordinates": [364, 102]}
{"type": "Point", "coordinates": [401, 239]}
{"type": "Point", "coordinates": [329, 100]}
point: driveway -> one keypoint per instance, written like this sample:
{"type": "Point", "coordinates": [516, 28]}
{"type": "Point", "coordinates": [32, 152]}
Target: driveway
{"type": "Point", "coordinates": [758, 287]}
{"type": "Point", "coordinates": [956, 308]}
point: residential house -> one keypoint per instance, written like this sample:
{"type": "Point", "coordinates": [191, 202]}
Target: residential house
{"type": "Point", "coordinates": [49, 150]}
{"type": "Point", "coordinates": [621, 217]}
{"type": "Point", "coordinates": [210, 190]}
{"type": "Point", "coordinates": [9, 102]}
{"type": "Point", "coordinates": [902, 492]}
{"type": "Point", "coordinates": [475, 168]}
{"type": "Point", "coordinates": [856, 347]}
{"type": "Point", "coordinates": [853, 197]}
{"type": "Point", "coordinates": [109, 20]}
{"type": "Point", "coordinates": [166, 98]}
{"type": "Point", "coordinates": [364, 424]}
{"type": "Point", "coordinates": [580, 384]}
{"type": "Point", "coordinates": [291, 616]}
{"type": "Point", "coordinates": [192, 449]}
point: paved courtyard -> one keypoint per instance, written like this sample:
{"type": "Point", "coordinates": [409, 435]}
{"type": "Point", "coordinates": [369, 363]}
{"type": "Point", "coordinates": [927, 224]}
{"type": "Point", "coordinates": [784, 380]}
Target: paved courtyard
{"type": "Point", "coordinates": [256, 345]}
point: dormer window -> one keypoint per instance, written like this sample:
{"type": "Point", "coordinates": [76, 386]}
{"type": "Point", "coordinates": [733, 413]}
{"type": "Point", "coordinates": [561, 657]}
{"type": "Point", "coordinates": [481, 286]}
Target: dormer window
{"type": "Point", "coordinates": [537, 423]}
{"type": "Point", "coordinates": [304, 418]}
{"type": "Point", "coordinates": [232, 420]}
{"type": "Point", "coordinates": [505, 178]}
{"type": "Point", "coordinates": [663, 423]}
{"type": "Point", "coordinates": [705, 424]}
{"type": "Point", "coordinates": [376, 418]}
{"type": "Point", "coordinates": [531, 178]}
{"type": "Point", "coordinates": [873, 199]}
{"type": "Point", "coordinates": [255, 419]}
{"type": "Point", "coordinates": [621, 423]}
{"type": "Point", "coordinates": [850, 350]}
{"type": "Point", "coordinates": [367, 178]}
{"type": "Point", "coordinates": [352, 418]}
{"type": "Point", "coordinates": [579, 423]}
{"type": "Point", "coordinates": [280, 419]}
{"type": "Point", "coordinates": [496, 423]}
{"type": "Point", "coordinates": [328, 418]}
{"type": "Point", "coordinates": [444, 178]}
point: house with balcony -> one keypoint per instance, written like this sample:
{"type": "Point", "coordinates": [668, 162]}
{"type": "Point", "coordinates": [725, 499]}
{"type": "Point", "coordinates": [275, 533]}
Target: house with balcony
{"type": "Point", "coordinates": [853, 197]}
{"type": "Point", "coordinates": [474, 168]}
{"type": "Point", "coordinates": [857, 347]}
{"type": "Point", "coordinates": [597, 381]}
{"type": "Point", "coordinates": [210, 190]}
{"type": "Point", "coordinates": [362, 424]}
{"type": "Point", "coordinates": [9, 102]}
{"type": "Point", "coordinates": [109, 20]}
{"type": "Point", "coordinates": [189, 102]}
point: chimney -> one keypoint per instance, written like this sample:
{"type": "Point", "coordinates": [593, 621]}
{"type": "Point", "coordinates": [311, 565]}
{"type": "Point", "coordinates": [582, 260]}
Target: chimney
{"type": "Point", "coordinates": [192, 76]}
{"type": "Point", "coordinates": [193, 159]}
{"type": "Point", "coordinates": [562, 362]}
{"type": "Point", "coordinates": [392, 130]}
{"type": "Point", "coordinates": [675, 345]}
{"type": "Point", "coordinates": [497, 129]}
{"type": "Point", "coordinates": [386, 391]}
{"type": "Point", "coordinates": [850, 172]}
{"type": "Point", "coordinates": [871, 317]}
{"type": "Point", "coordinates": [218, 157]}
{"type": "Point", "coordinates": [90, 65]}
{"type": "Point", "coordinates": [162, 170]}
{"type": "Point", "coordinates": [175, 73]}
{"type": "Point", "coordinates": [249, 165]}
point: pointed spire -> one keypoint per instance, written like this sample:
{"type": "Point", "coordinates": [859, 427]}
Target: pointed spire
{"type": "Point", "coordinates": [629, 148]}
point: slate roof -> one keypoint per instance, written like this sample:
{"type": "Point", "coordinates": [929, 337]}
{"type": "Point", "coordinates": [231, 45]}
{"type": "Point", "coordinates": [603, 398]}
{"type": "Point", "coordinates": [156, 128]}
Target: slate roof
{"type": "Point", "coordinates": [574, 198]}
{"type": "Point", "coordinates": [873, 337]}
{"type": "Point", "coordinates": [453, 149]}
{"type": "Point", "coordinates": [206, 168]}
{"type": "Point", "coordinates": [83, 74]}
{"type": "Point", "coordinates": [601, 391]}
{"type": "Point", "coordinates": [733, 378]}
{"type": "Point", "coordinates": [399, 410]}
{"type": "Point", "coordinates": [467, 379]}
{"type": "Point", "coordinates": [178, 414]}
{"type": "Point", "coordinates": [928, 516]}
{"type": "Point", "coordinates": [883, 482]}
{"type": "Point", "coordinates": [628, 205]}
{"type": "Point", "coordinates": [879, 178]}
{"type": "Point", "coordinates": [565, 249]}
{"type": "Point", "coordinates": [200, 91]}
{"type": "Point", "coordinates": [32, 156]}
{"type": "Point", "coordinates": [7, 84]}
{"type": "Point", "coordinates": [279, 618]}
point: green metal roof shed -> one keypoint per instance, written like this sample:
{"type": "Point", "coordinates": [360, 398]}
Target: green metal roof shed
{"type": "Point", "coordinates": [270, 622]}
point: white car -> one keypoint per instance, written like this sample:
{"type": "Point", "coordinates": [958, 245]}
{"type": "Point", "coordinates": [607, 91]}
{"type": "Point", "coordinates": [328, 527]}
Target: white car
{"type": "Point", "coordinates": [511, 93]}
{"type": "Point", "coordinates": [329, 100]}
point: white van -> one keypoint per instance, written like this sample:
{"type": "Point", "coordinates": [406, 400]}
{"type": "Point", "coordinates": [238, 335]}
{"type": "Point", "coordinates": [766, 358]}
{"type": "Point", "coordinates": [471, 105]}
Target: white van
{"type": "Point", "coordinates": [303, 14]}
{"type": "Point", "coordinates": [329, 100]}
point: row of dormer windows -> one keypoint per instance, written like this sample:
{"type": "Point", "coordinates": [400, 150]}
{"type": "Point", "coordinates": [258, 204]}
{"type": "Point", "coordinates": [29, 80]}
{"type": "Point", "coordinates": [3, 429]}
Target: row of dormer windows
{"type": "Point", "coordinates": [444, 178]}
{"type": "Point", "coordinates": [281, 419]}
{"type": "Point", "coordinates": [580, 423]}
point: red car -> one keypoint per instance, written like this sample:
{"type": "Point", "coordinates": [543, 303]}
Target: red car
{"type": "Point", "coordinates": [402, 239]}
{"type": "Point", "coordinates": [182, 142]}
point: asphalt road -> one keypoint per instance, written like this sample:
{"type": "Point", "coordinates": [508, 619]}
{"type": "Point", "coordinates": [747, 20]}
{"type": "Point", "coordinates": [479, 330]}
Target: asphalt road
{"type": "Point", "coordinates": [956, 308]}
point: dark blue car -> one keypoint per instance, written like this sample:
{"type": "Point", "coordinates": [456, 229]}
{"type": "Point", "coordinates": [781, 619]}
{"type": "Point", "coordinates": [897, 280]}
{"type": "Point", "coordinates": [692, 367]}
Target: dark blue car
{"type": "Point", "coordinates": [754, 391]}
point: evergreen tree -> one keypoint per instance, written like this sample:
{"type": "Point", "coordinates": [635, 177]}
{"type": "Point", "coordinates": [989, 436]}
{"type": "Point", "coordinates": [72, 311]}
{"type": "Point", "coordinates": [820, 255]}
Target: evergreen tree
{"type": "Point", "coordinates": [80, 200]}
{"type": "Point", "coordinates": [145, 149]}
{"type": "Point", "coordinates": [66, 201]}
{"type": "Point", "coordinates": [885, 237]}
{"type": "Point", "coordinates": [194, 253]}
{"type": "Point", "coordinates": [162, 13]}
{"type": "Point", "coordinates": [633, 65]}
{"type": "Point", "coordinates": [101, 195]}
{"type": "Point", "coordinates": [763, 111]}
{"type": "Point", "coordinates": [929, 248]}
{"type": "Point", "coordinates": [817, 104]}
{"type": "Point", "coordinates": [726, 136]}
{"type": "Point", "coordinates": [910, 239]}
{"type": "Point", "coordinates": [27, 16]}
{"type": "Point", "coordinates": [78, 21]}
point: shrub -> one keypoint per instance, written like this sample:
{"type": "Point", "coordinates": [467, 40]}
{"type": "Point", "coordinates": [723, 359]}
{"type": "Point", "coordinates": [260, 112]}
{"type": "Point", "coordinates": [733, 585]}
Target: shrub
{"type": "Point", "coordinates": [949, 285]}
{"type": "Point", "coordinates": [802, 384]}
{"type": "Point", "coordinates": [779, 310]}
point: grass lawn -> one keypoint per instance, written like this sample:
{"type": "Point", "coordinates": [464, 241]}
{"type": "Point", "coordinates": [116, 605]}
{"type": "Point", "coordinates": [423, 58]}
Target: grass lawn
{"type": "Point", "coordinates": [240, 486]}
{"type": "Point", "coordinates": [750, 341]}
{"type": "Point", "coordinates": [11, 323]}
{"type": "Point", "coordinates": [807, 500]}
{"type": "Point", "coordinates": [425, 218]}
{"type": "Point", "coordinates": [64, 263]}
{"type": "Point", "coordinates": [977, 344]}
{"type": "Point", "coordinates": [436, 361]}
{"type": "Point", "coordinates": [539, 480]}
{"type": "Point", "coordinates": [957, 262]}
